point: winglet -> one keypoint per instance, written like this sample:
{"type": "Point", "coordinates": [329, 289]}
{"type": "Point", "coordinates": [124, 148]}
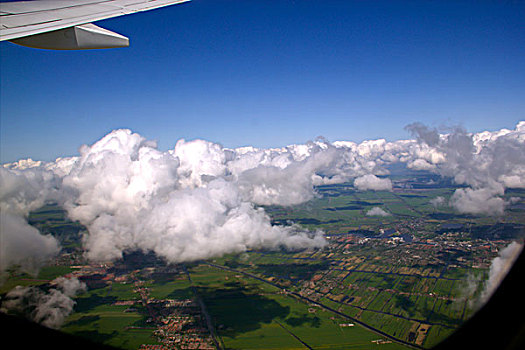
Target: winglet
{"type": "Point", "coordinates": [81, 37]}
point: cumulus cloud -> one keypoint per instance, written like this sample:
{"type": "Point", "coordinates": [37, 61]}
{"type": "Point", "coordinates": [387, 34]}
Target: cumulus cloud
{"type": "Point", "coordinates": [193, 202]}
{"type": "Point", "coordinates": [290, 184]}
{"type": "Point", "coordinates": [487, 162]}
{"type": "Point", "coordinates": [49, 308]}
{"type": "Point", "coordinates": [372, 182]}
{"type": "Point", "coordinates": [22, 244]}
{"type": "Point", "coordinates": [478, 201]}
{"type": "Point", "coordinates": [437, 202]}
{"type": "Point", "coordinates": [424, 134]}
{"type": "Point", "coordinates": [200, 199]}
{"type": "Point", "coordinates": [21, 192]}
{"type": "Point", "coordinates": [200, 160]}
{"type": "Point", "coordinates": [421, 164]}
{"type": "Point", "coordinates": [499, 268]}
{"type": "Point", "coordinates": [183, 205]}
{"type": "Point", "coordinates": [376, 211]}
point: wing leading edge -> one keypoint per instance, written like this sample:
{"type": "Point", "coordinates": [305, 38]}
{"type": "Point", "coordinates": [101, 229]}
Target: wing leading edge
{"type": "Point", "coordinates": [66, 24]}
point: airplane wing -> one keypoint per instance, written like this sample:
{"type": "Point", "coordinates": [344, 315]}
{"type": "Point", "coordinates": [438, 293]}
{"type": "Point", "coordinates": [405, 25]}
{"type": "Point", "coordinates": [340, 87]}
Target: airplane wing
{"type": "Point", "coordinates": [66, 24]}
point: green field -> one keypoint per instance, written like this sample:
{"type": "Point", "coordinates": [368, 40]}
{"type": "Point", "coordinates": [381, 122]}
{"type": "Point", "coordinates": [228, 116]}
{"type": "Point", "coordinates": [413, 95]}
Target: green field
{"type": "Point", "coordinates": [250, 314]}
{"type": "Point", "coordinates": [97, 319]}
{"type": "Point", "coordinates": [45, 275]}
{"type": "Point", "coordinates": [416, 291]}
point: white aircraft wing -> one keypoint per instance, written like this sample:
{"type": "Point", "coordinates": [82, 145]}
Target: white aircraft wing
{"type": "Point", "coordinates": [66, 24]}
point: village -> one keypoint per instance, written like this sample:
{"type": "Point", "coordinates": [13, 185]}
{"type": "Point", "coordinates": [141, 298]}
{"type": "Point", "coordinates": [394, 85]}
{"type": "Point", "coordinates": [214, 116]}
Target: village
{"type": "Point", "coordinates": [174, 323]}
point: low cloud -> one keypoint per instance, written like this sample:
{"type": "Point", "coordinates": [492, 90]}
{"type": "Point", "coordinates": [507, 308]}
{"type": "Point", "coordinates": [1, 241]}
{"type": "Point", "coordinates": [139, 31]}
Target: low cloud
{"type": "Point", "coordinates": [480, 201]}
{"type": "Point", "coordinates": [421, 164]}
{"type": "Point", "coordinates": [376, 211]}
{"type": "Point", "coordinates": [49, 308]}
{"type": "Point", "coordinates": [132, 196]}
{"type": "Point", "coordinates": [21, 192]}
{"type": "Point", "coordinates": [499, 268]}
{"type": "Point", "coordinates": [438, 202]}
{"type": "Point", "coordinates": [23, 245]}
{"type": "Point", "coordinates": [200, 200]}
{"type": "Point", "coordinates": [372, 182]}
{"type": "Point", "coordinates": [487, 162]}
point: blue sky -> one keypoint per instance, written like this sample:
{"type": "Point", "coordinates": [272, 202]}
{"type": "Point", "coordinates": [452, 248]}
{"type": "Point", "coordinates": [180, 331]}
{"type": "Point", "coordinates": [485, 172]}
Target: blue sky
{"type": "Point", "coordinates": [271, 73]}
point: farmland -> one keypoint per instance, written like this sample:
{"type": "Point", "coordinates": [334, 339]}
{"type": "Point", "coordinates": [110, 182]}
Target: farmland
{"type": "Point", "coordinates": [405, 278]}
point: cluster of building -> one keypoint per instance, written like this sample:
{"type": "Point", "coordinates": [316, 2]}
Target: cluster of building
{"type": "Point", "coordinates": [184, 329]}
{"type": "Point", "coordinates": [411, 260]}
{"type": "Point", "coordinates": [175, 323]}
{"type": "Point", "coordinates": [453, 248]}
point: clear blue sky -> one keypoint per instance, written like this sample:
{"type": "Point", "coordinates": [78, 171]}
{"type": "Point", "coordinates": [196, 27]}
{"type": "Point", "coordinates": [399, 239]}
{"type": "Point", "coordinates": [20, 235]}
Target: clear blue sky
{"type": "Point", "coordinates": [271, 73]}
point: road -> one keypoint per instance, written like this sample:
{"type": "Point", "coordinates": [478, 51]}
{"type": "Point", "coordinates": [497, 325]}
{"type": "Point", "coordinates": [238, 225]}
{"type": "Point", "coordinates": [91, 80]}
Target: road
{"type": "Point", "coordinates": [293, 335]}
{"type": "Point", "coordinates": [308, 300]}
{"type": "Point", "coordinates": [209, 324]}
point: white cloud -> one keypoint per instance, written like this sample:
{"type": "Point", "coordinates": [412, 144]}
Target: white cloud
{"type": "Point", "coordinates": [182, 205]}
{"type": "Point", "coordinates": [372, 182]}
{"type": "Point", "coordinates": [488, 162]}
{"type": "Point", "coordinates": [49, 308]}
{"type": "Point", "coordinates": [199, 199]}
{"type": "Point", "coordinates": [22, 244]}
{"type": "Point", "coordinates": [376, 211]}
{"type": "Point", "coordinates": [20, 192]}
{"type": "Point", "coordinates": [479, 201]}
{"type": "Point", "coordinates": [437, 202]}
{"type": "Point", "coordinates": [499, 268]}
{"type": "Point", "coordinates": [199, 161]}
{"type": "Point", "coordinates": [421, 164]}
{"type": "Point", "coordinates": [292, 184]}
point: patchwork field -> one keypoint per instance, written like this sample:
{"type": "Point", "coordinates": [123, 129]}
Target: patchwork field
{"type": "Point", "coordinates": [403, 279]}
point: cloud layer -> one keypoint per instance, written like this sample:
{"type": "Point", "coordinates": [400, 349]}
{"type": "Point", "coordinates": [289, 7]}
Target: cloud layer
{"type": "Point", "coordinates": [201, 200]}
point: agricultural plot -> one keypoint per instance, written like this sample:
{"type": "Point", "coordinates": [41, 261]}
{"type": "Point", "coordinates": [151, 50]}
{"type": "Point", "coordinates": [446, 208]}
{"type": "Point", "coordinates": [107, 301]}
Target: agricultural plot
{"type": "Point", "coordinates": [435, 335]}
{"type": "Point", "coordinates": [443, 287]}
{"type": "Point", "coordinates": [420, 295]}
{"type": "Point", "coordinates": [380, 301]}
{"type": "Point", "coordinates": [99, 319]}
{"type": "Point", "coordinates": [45, 275]}
{"type": "Point", "coordinates": [407, 276]}
{"type": "Point", "coordinates": [177, 289]}
{"type": "Point", "coordinates": [250, 314]}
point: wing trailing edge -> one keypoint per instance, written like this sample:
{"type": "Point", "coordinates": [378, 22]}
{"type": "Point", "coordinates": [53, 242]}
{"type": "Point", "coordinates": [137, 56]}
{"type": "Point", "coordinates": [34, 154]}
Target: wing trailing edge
{"type": "Point", "coordinates": [81, 37]}
{"type": "Point", "coordinates": [67, 24]}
